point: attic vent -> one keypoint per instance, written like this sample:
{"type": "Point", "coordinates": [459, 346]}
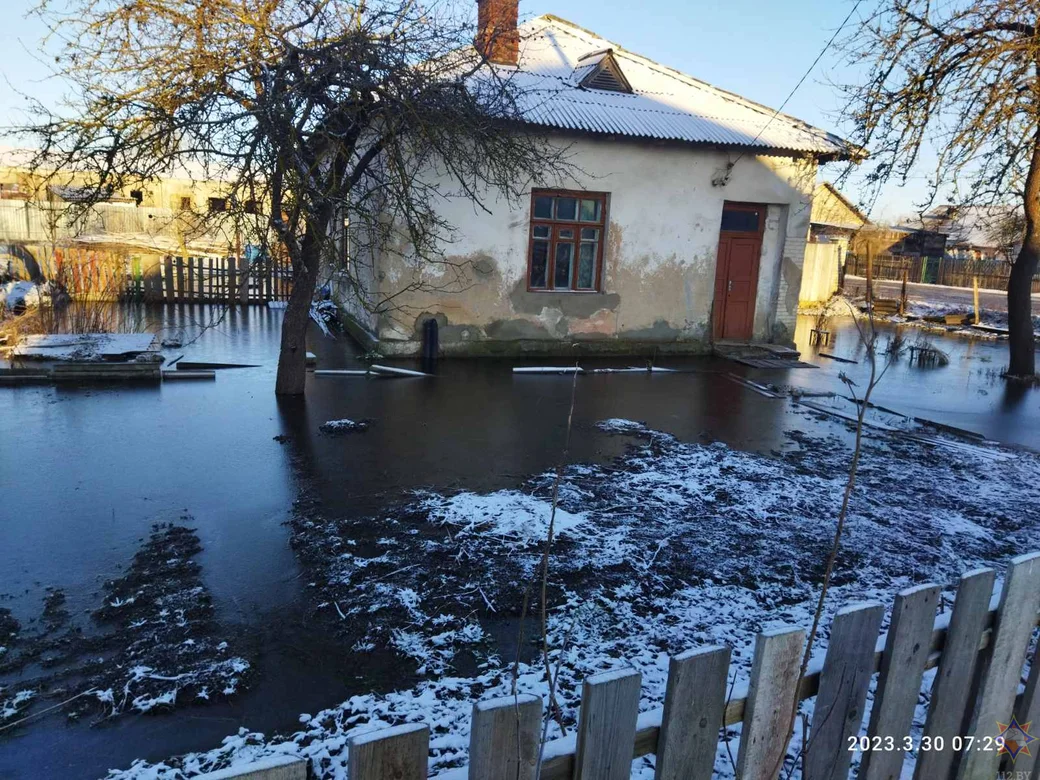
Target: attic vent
{"type": "Point", "coordinates": [600, 70]}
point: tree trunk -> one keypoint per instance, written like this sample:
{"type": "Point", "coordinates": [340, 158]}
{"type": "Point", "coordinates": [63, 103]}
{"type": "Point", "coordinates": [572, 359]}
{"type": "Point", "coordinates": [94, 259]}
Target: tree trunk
{"type": "Point", "coordinates": [292, 358]}
{"type": "Point", "coordinates": [1020, 283]}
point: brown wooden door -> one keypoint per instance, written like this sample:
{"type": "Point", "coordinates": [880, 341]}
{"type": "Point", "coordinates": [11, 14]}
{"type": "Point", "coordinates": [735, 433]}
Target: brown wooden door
{"type": "Point", "coordinates": [736, 272]}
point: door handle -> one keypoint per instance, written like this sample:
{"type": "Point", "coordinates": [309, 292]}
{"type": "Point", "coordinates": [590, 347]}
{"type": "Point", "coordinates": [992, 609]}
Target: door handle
{"type": "Point", "coordinates": [729, 286]}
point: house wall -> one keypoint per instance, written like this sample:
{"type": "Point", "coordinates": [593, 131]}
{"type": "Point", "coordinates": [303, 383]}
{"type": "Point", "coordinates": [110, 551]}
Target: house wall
{"type": "Point", "coordinates": [658, 266]}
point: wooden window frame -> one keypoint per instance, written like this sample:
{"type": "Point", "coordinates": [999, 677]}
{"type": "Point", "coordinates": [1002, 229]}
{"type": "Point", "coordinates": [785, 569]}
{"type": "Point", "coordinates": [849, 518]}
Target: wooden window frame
{"type": "Point", "coordinates": [576, 224]}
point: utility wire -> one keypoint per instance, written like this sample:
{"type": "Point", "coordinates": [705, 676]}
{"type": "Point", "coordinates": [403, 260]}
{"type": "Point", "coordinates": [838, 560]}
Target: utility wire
{"type": "Point", "coordinates": [801, 81]}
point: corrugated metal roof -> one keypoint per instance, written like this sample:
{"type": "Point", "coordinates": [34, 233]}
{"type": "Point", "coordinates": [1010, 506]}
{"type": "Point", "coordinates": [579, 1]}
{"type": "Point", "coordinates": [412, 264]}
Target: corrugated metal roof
{"type": "Point", "coordinates": [665, 104]}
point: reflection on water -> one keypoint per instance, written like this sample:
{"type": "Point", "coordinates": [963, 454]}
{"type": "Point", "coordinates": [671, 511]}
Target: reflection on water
{"type": "Point", "coordinates": [968, 392]}
{"type": "Point", "coordinates": [84, 472]}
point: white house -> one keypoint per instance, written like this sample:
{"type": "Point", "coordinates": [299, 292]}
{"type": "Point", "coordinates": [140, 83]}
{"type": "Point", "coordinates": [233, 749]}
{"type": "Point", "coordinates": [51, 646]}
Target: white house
{"type": "Point", "coordinates": [688, 225]}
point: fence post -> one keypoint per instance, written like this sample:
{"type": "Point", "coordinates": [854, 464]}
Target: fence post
{"type": "Point", "coordinates": [1028, 711]}
{"type": "Point", "coordinates": [975, 296]}
{"type": "Point", "coordinates": [168, 268]}
{"type": "Point", "coordinates": [899, 682]}
{"type": "Point", "coordinates": [607, 726]}
{"type": "Point", "coordinates": [947, 709]}
{"type": "Point", "coordinates": [1002, 665]}
{"type": "Point", "coordinates": [771, 694]}
{"type": "Point", "coordinates": [504, 738]}
{"type": "Point", "coordinates": [844, 681]}
{"type": "Point", "coordinates": [245, 272]}
{"type": "Point", "coordinates": [191, 279]}
{"type": "Point", "coordinates": [399, 753]}
{"type": "Point", "coordinates": [870, 275]}
{"type": "Point", "coordinates": [694, 702]}
{"type": "Point", "coordinates": [180, 278]}
{"type": "Point", "coordinates": [902, 293]}
{"type": "Point", "coordinates": [231, 277]}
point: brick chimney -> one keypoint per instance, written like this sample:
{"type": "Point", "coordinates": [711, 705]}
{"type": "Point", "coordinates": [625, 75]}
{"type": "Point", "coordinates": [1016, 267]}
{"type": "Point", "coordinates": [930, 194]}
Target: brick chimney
{"type": "Point", "coordinates": [497, 37]}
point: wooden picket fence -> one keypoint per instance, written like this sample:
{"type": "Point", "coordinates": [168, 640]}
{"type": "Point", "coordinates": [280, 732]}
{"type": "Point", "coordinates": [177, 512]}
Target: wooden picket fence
{"type": "Point", "coordinates": [224, 280]}
{"type": "Point", "coordinates": [979, 651]}
{"type": "Point", "coordinates": [946, 271]}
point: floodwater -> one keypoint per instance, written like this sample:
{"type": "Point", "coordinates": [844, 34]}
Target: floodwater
{"type": "Point", "coordinates": [85, 472]}
{"type": "Point", "coordinates": [967, 393]}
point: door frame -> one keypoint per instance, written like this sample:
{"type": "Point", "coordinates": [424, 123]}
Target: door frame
{"type": "Point", "coordinates": [722, 267]}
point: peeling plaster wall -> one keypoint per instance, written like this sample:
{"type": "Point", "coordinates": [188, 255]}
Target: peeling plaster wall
{"type": "Point", "coordinates": [658, 265]}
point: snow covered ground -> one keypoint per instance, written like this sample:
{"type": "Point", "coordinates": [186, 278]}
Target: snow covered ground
{"type": "Point", "coordinates": [671, 546]}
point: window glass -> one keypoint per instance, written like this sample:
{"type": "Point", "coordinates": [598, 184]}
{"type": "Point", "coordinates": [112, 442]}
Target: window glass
{"type": "Point", "coordinates": [564, 260]}
{"type": "Point", "coordinates": [590, 210]}
{"type": "Point", "coordinates": [567, 231]}
{"type": "Point", "coordinates": [740, 220]}
{"type": "Point", "coordinates": [543, 207]}
{"type": "Point", "coordinates": [566, 208]}
{"type": "Point", "coordinates": [586, 265]}
{"type": "Point", "coordinates": [540, 264]}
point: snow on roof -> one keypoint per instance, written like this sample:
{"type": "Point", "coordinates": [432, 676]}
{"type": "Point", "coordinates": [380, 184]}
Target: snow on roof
{"type": "Point", "coordinates": [664, 104]}
{"type": "Point", "coordinates": [966, 225]}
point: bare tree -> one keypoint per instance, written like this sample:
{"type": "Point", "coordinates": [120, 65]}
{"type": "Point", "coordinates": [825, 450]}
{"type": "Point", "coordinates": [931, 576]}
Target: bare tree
{"type": "Point", "coordinates": [1006, 234]}
{"type": "Point", "coordinates": [313, 113]}
{"type": "Point", "coordinates": [962, 79]}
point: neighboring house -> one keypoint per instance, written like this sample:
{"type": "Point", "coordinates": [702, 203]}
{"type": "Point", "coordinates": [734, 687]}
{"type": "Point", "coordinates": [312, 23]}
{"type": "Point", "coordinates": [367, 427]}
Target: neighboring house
{"type": "Point", "coordinates": [975, 232]}
{"type": "Point", "coordinates": [177, 215]}
{"type": "Point", "coordinates": [835, 219]}
{"type": "Point", "coordinates": [689, 226]}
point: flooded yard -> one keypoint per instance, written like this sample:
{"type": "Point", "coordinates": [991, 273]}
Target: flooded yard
{"type": "Point", "coordinates": [296, 526]}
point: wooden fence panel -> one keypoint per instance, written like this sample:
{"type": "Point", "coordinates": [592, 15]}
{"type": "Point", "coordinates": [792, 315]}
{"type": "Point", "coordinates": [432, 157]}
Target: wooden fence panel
{"type": "Point", "coordinates": [1002, 664]}
{"type": "Point", "coordinates": [947, 709]}
{"type": "Point", "coordinates": [504, 738]}
{"type": "Point", "coordinates": [1028, 712]}
{"type": "Point", "coordinates": [390, 754]}
{"type": "Point", "coordinates": [607, 726]}
{"type": "Point", "coordinates": [899, 682]}
{"type": "Point", "coordinates": [694, 701]}
{"type": "Point", "coordinates": [199, 279]}
{"type": "Point", "coordinates": [844, 681]}
{"type": "Point", "coordinates": [767, 713]}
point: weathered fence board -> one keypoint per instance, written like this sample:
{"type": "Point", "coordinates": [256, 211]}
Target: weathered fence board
{"type": "Point", "coordinates": [771, 694]}
{"type": "Point", "coordinates": [1027, 711]}
{"type": "Point", "coordinates": [899, 683]}
{"type": "Point", "coordinates": [275, 768]}
{"type": "Point", "coordinates": [607, 726]}
{"type": "Point", "coordinates": [503, 738]}
{"type": "Point", "coordinates": [694, 702]}
{"type": "Point", "coordinates": [391, 754]}
{"type": "Point", "coordinates": [952, 686]}
{"type": "Point", "coordinates": [227, 280]}
{"type": "Point", "coordinates": [504, 735]}
{"type": "Point", "coordinates": [1001, 667]}
{"type": "Point", "coordinates": [844, 681]}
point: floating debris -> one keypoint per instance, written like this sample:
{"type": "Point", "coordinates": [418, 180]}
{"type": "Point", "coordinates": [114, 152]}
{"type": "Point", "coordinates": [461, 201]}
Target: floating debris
{"type": "Point", "coordinates": [343, 426]}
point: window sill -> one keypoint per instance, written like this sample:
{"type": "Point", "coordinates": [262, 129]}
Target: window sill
{"type": "Point", "coordinates": [563, 292]}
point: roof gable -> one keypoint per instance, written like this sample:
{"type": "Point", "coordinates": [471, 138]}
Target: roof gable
{"type": "Point", "coordinates": [556, 59]}
{"type": "Point", "coordinates": [830, 207]}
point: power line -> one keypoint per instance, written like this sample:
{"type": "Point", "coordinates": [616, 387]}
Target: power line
{"type": "Point", "coordinates": [805, 75]}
